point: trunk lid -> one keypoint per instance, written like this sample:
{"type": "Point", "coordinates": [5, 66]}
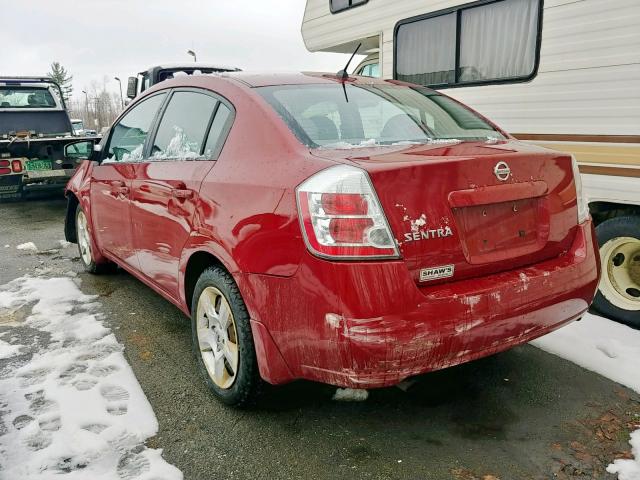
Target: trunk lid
{"type": "Point", "coordinates": [454, 218]}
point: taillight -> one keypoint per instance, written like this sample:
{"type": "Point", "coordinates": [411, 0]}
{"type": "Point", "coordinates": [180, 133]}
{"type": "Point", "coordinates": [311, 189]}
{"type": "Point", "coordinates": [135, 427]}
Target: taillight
{"type": "Point", "coordinates": [341, 216]}
{"type": "Point", "coordinates": [4, 163]}
{"type": "Point", "coordinates": [16, 166]}
{"type": "Point", "coordinates": [4, 171]}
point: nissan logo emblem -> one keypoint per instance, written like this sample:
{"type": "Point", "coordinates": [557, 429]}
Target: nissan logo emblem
{"type": "Point", "coordinates": [502, 171]}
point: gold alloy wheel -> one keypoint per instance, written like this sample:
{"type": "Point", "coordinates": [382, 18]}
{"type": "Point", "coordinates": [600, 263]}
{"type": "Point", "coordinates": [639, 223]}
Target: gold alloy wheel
{"type": "Point", "coordinates": [84, 238]}
{"type": "Point", "coordinates": [620, 282]}
{"type": "Point", "coordinates": [217, 337]}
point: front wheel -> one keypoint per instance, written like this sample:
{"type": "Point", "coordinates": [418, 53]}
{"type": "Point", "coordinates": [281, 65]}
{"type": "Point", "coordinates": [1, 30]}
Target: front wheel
{"type": "Point", "coordinates": [85, 245]}
{"type": "Point", "coordinates": [222, 339]}
{"type": "Point", "coordinates": [618, 294]}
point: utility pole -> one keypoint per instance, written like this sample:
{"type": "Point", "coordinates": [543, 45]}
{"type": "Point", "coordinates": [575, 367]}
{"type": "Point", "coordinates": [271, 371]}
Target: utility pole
{"type": "Point", "coordinates": [86, 107]}
{"type": "Point", "coordinates": [193, 54]}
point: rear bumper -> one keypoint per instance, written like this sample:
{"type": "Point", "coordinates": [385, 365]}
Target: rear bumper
{"type": "Point", "coordinates": [365, 325]}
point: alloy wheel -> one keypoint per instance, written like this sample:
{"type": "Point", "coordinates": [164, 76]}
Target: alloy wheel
{"type": "Point", "coordinates": [217, 337]}
{"type": "Point", "coordinates": [84, 238]}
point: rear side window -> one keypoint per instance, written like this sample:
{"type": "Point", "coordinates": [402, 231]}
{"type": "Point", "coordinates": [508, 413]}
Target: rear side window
{"type": "Point", "coordinates": [483, 43]}
{"type": "Point", "coordinates": [129, 134]}
{"type": "Point", "coordinates": [218, 132]}
{"type": "Point", "coordinates": [183, 128]}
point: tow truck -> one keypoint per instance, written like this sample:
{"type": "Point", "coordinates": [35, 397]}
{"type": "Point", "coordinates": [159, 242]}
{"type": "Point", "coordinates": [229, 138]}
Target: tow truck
{"type": "Point", "coordinates": [38, 148]}
{"type": "Point", "coordinates": [159, 73]}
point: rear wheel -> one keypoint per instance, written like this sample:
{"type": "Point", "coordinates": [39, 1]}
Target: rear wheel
{"type": "Point", "coordinates": [618, 296]}
{"type": "Point", "coordinates": [85, 245]}
{"type": "Point", "coordinates": [222, 339]}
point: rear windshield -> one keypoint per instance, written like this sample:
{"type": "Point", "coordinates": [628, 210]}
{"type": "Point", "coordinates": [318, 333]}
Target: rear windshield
{"type": "Point", "coordinates": [347, 116]}
{"type": "Point", "coordinates": [26, 97]}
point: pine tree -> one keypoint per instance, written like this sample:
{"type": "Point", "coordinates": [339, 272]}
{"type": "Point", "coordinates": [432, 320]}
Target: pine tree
{"type": "Point", "coordinates": [60, 75]}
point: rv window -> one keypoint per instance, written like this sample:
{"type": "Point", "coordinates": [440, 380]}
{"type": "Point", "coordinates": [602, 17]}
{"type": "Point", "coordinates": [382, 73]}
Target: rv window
{"type": "Point", "coordinates": [495, 42]}
{"type": "Point", "coordinates": [340, 5]}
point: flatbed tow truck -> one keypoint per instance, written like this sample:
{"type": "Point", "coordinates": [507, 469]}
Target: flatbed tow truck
{"type": "Point", "coordinates": [38, 148]}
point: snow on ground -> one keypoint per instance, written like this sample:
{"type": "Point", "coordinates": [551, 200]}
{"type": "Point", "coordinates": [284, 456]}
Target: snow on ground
{"type": "Point", "coordinates": [610, 349]}
{"type": "Point", "coordinates": [28, 246]}
{"type": "Point", "coordinates": [74, 407]}
{"type": "Point", "coordinates": [7, 350]}
{"type": "Point", "coordinates": [351, 395]}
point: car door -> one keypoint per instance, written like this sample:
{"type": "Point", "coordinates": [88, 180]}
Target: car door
{"type": "Point", "coordinates": [111, 179]}
{"type": "Point", "coordinates": [184, 148]}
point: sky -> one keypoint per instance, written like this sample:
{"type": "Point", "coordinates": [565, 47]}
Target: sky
{"type": "Point", "coordinates": [101, 39]}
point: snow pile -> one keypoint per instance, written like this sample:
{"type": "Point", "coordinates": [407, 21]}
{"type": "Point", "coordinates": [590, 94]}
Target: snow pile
{"type": "Point", "coordinates": [628, 469]}
{"type": "Point", "coordinates": [610, 349]}
{"type": "Point", "coordinates": [179, 148]}
{"type": "Point", "coordinates": [30, 246]}
{"type": "Point", "coordinates": [75, 408]}
{"type": "Point", "coordinates": [351, 395]}
{"type": "Point", "coordinates": [600, 345]}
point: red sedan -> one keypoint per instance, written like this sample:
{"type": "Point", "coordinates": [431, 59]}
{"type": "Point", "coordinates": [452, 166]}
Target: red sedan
{"type": "Point", "coordinates": [348, 231]}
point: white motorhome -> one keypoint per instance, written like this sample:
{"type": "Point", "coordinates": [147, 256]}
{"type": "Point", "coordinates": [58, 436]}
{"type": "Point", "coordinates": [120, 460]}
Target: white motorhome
{"type": "Point", "coordinates": [564, 74]}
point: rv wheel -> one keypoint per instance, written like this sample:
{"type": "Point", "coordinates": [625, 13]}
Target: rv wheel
{"type": "Point", "coordinates": [618, 294]}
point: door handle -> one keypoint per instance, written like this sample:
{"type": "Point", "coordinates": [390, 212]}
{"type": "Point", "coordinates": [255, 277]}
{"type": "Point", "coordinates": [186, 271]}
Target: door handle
{"type": "Point", "coordinates": [182, 193]}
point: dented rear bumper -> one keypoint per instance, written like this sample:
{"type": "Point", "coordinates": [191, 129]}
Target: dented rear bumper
{"type": "Point", "coordinates": [367, 324]}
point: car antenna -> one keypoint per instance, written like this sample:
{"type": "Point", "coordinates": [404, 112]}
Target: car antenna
{"type": "Point", "coordinates": [343, 75]}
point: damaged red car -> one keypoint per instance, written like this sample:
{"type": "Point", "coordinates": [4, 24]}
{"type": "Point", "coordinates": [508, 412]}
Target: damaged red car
{"type": "Point", "coordinates": [348, 231]}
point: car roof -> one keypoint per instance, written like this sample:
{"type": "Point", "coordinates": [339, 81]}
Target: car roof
{"type": "Point", "coordinates": [256, 79]}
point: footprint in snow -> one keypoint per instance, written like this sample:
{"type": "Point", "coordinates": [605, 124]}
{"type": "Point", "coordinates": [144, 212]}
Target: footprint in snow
{"type": "Point", "coordinates": [116, 398]}
{"type": "Point", "coordinates": [70, 464]}
{"type": "Point", "coordinates": [132, 465]}
{"type": "Point", "coordinates": [72, 370]}
{"type": "Point", "coordinates": [102, 370]}
{"type": "Point", "coordinates": [99, 352]}
{"type": "Point", "coordinates": [33, 377]}
{"type": "Point", "coordinates": [96, 428]}
{"type": "Point", "coordinates": [50, 423]}
{"type": "Point", "coordinates": [39, 403]}
{"type": "Point", "coordinates": [22, 421]}
{"type": "Point", "coordinates": [84, 384]}
{"type": "Point", "coordinates": [38, 440]}
{"type": "Point", "coordinates": [117, 409]}
{"type": "Point", "coordinates": [114, 393]}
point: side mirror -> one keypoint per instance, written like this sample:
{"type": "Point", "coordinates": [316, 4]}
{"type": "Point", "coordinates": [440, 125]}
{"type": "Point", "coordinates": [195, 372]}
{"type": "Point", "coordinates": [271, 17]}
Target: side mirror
{"type": "Point", "coordinates": [79, 150]}
{"type": "Point", "coordinates": [132, 87]}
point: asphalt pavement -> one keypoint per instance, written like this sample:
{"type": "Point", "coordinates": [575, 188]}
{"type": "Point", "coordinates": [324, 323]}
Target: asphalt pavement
{"type": "Point", "coordinates": [522, 414]}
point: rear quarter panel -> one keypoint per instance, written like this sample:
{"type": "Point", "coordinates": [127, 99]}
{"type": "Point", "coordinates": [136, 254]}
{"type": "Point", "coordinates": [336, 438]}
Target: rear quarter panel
{"type": "Point", "coordinates": [247, 214]}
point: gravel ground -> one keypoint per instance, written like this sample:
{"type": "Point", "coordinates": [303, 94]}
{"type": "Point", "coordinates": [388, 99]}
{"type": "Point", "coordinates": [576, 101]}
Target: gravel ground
{"type": "Point", "coordinates": [523, 414]}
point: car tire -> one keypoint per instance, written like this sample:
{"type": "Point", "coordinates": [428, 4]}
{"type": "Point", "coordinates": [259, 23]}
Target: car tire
{"type": "Point", "coordinates": [222, 339]}
{"type": "Point", "coordinates": [85, 245]}
{"type": "Point", "coordinates": [618, 295]}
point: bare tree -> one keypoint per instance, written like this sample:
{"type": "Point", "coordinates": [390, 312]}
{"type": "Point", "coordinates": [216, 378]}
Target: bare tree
{"type": "Point", "coordinates": [99, 107]}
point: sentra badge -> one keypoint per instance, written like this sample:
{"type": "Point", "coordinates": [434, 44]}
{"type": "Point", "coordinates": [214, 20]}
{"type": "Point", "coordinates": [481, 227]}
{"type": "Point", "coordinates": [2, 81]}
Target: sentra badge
{"type": "Point", "coordinates": [428, 234]}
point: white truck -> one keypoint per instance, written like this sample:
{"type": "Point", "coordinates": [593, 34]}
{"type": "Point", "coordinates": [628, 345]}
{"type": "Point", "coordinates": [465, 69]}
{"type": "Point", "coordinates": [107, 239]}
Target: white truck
{"type": "Point", "coordinates": [564, 74]}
